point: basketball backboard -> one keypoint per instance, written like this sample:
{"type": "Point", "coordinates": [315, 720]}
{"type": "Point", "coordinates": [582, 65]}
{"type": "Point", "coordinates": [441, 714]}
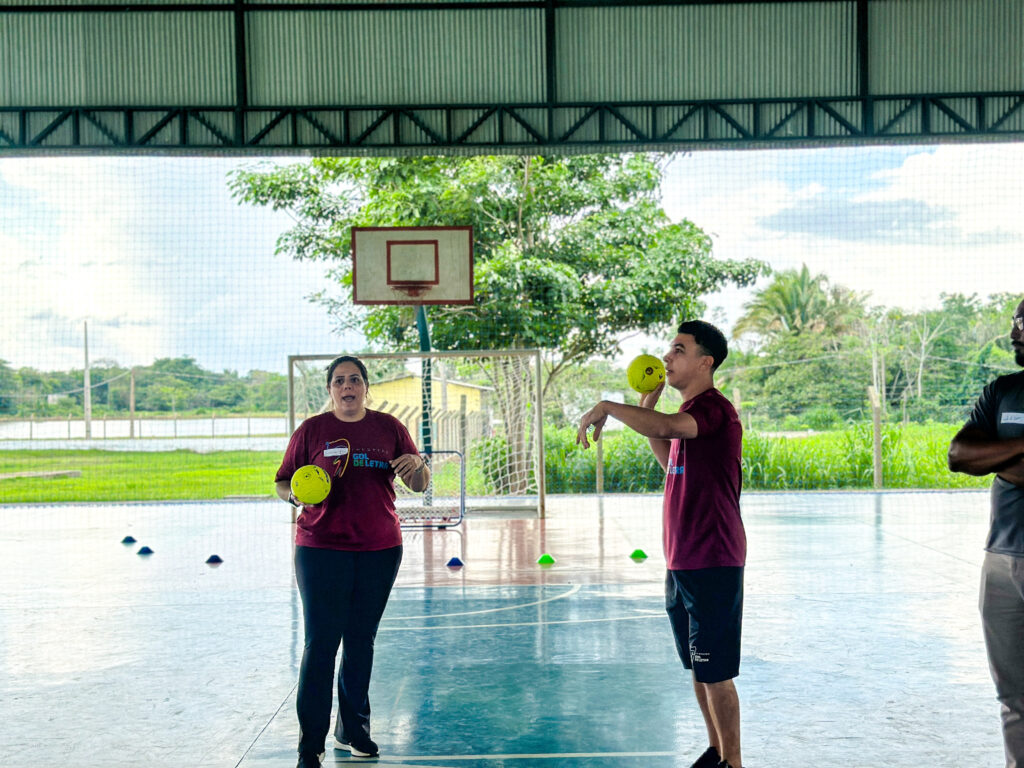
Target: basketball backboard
{"type": "Point", "coordinates": [412, 265]}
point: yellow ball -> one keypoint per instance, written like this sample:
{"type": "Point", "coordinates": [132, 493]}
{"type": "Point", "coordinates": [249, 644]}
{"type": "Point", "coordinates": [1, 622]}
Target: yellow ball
{"type": "Point", "coordinates": [310, 484]}
{"type": "Point", "coordinates": [645, 373]}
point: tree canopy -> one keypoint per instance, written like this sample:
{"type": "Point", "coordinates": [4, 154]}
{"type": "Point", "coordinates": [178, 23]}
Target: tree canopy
{"type": "Point", "coordinates": [819, 348]}
{"type": "Point", "coordinates": [571, 253]}
{"type": "Point", "coordinates": [796, 302]}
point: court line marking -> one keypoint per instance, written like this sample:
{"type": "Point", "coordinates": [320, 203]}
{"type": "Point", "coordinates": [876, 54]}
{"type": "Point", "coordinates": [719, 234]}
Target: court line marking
{"type": "Point", "coordinates": [266, 725]}
{"type": "Point", "coordinates": [576, 588]}
{"type": "Point", "coordinates": [553, 756]}
{"type": "Point", "coordinates": [634, 617]}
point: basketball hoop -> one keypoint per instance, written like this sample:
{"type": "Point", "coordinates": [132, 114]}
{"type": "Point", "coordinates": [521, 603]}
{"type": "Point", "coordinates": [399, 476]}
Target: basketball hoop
{"type": "Point", "coordinates": [412, 290]}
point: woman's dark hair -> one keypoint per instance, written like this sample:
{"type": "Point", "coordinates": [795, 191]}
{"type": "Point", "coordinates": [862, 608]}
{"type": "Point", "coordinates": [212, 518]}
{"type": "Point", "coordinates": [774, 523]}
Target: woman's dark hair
{"type": "Point", "coordinates": [347, 359]}
{"type": "Point", "coordinates": [708, 338]}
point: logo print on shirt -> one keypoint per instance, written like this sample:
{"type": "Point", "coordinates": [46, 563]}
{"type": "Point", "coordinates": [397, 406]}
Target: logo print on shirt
{"type": "Point", "coordinates": [674, 470]}
{"type": "Point", "coordinates": [1013, 418]}
{"type": "Point", "coordinates": [343, 452]}
{"type": "Point", "coordinates": [364, 460]}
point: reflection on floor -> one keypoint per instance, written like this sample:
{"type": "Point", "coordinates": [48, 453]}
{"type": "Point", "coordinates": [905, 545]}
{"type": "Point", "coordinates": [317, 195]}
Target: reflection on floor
{"type": "Point", "coordinates": [862, 644]}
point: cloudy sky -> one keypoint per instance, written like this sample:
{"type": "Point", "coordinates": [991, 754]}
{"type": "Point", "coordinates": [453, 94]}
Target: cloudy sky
{"type": "Point", "coordinates": [159, 260]}
{"type": "Point", "coordinates": [904, 224]}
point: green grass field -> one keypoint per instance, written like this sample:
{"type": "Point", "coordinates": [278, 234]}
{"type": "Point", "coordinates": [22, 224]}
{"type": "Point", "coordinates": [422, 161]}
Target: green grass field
{"type": "Point", "coordinates": [914, 458]}
{"type": "Point", "coordinates": [137, 476]}
{"type": "Point", "coordinates": [149, 476]}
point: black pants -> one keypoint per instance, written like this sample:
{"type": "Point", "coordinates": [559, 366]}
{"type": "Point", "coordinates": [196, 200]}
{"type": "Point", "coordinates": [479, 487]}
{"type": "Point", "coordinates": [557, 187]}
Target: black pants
{"type": "Point", "coordinates": [343, 598]}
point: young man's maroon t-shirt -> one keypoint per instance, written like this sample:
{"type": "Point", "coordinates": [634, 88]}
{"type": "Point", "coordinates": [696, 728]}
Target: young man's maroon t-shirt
{"type": "Point", "coordinates": [359, 513]}
{"type": "Point", "coordinates": [702, 527]}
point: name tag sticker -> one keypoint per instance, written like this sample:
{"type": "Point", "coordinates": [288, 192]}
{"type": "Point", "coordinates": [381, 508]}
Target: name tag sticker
{"type": "Point", "coordinates": [1013, 418]}
{"type": "Point", "coordinates": [336, 451]}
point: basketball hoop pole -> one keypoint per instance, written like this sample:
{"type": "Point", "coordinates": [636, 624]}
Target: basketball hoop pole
{"type": "Point", "coordinates": [427, 385]}
{"type": "Point", "coordinates": [418, 266]}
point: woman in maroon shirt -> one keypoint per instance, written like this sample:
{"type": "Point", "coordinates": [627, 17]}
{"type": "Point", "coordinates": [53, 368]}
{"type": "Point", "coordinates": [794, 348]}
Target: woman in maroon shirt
{"type": "Point", "coordinates": [347, 553]}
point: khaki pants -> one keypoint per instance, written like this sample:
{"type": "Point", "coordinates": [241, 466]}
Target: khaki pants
{"type": "Point", "coordinates": [1002, 617]}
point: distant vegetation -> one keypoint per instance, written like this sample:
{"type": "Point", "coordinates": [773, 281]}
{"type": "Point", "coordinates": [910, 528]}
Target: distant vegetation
{"type": "Point", "coordinates": [170, 385]}
{"type": "Point", "coordinates": [913, 456]}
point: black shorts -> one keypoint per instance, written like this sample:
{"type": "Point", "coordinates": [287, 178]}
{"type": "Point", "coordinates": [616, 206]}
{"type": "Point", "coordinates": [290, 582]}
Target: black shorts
{"type": "Point", "coordinates": [705, 608]}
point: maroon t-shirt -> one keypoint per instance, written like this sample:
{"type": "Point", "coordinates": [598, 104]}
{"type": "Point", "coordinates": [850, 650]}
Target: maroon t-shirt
{"type": "Point", "coordinates": [702, 527]}
{"type": "Point", "coordinates": [359, 513]}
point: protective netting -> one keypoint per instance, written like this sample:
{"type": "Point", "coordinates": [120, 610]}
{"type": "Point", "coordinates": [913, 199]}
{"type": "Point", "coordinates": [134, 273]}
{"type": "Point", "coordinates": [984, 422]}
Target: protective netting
{"type": "Point", "coordinates": [143, 282]}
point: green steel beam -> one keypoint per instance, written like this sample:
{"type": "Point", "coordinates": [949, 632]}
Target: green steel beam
{"type": "Point", "coordinates": [515, 127]}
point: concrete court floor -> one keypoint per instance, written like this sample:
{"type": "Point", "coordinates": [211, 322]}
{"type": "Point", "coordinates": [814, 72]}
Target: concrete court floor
{"type": "Point", "coordinates": [862, 645]}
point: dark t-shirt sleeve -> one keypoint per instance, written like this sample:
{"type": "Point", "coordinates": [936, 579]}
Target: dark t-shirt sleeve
{"type": "Point", "coordinates": [709, 415]}
{"type": "Point", "coordinates": [295, 455]}
{"type": "Point", "coordinates": [984, 414]}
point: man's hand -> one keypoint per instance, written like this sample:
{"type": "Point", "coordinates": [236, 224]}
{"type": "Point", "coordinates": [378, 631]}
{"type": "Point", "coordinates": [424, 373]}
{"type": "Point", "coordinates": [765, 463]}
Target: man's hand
{"type": "Point", "coordinates": [595, 417]}
{"type": "Point", "coordinates": [650, 399]}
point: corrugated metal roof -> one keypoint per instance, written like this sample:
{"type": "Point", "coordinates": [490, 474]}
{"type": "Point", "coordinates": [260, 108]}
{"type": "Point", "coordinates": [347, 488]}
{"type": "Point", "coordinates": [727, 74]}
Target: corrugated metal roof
{"type": "Point", "coordinates": [666, 53]}
{"type": "Point", "coordinates": [108, 59]}
{"type": "Point", "coordinates": [415, 57]}
{"type": "Point", "coordinates": [946, 46]}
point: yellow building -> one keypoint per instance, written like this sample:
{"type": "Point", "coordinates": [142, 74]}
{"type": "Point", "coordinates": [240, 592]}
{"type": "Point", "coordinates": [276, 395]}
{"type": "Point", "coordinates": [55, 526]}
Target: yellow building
{"type": "Point", "coordinates": [460, 412]}
{"type": "Point", "coordinates": [446, 396]}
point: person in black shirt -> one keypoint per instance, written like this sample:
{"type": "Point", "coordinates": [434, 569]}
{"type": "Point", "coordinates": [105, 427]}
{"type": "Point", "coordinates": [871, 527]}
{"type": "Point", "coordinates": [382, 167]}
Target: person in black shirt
{"type": "Point", "coordinates": [992, 440]}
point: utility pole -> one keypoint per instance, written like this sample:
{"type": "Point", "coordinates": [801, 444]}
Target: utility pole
{"type": "Point", "coordinates": [131, 405]}
{"type": "Point", "coordinates": [87, 390]}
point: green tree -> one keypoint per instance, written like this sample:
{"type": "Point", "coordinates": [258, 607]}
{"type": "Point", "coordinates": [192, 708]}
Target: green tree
{"type": "Point", "coordinates": [9, 388]}
{"type": "Point", "coordinates": [815, 374]}
{"type": "Point", "coordinates": [811, 362]}
{"type": "Point", "coordinates": [945, 356]}
{"type": "Point", "coordinates": [267, 391]}
{"type": "Point", "coordinates": [570, 252]}
{"type": "Point", "coordinates": [797, 302]}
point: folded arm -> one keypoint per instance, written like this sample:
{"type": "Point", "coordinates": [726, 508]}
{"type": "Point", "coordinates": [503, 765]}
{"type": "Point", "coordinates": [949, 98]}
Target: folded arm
{"type": "Point", "coordinates": [975, 452]}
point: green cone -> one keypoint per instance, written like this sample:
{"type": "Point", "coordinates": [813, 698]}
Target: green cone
{"type": "Point", "coordinates": [545, 559]}
{"type": "Point", "coordinates": [639, 554]}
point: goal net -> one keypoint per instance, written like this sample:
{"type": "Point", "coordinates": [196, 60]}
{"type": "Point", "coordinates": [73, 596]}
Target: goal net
{"type": "Point", "coordinates": [476, 414]}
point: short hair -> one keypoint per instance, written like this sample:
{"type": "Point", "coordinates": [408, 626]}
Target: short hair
{"type": "Point", "coordinates": [711, 340]}
{"type": "Point", "coordinates": [347, 359]}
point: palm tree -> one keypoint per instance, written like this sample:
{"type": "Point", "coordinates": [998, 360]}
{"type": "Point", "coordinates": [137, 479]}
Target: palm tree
{"type": "Point", "coordinates": [797, 302]}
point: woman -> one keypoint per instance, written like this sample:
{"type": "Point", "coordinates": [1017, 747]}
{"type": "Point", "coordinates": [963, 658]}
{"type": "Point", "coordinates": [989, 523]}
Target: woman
{"type": "Point", "coordinates": [347, 552]}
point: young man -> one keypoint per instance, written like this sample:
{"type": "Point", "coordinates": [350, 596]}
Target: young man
{"type": "Point", "coordinates": [699, 448]}
{"type": "Point", "coordinates": [992, 440]}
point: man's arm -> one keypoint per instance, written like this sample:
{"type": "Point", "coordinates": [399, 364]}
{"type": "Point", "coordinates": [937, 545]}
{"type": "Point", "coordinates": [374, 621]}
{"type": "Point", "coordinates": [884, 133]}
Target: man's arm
{"type": "Point", "coordinates": [651, 424]}
{"type": "Point", "coordinates": [660, 448]}
{"type": "Point", "coordinates": [975, 452]}
{"type": "Point", "coordinates": [1014, 473]}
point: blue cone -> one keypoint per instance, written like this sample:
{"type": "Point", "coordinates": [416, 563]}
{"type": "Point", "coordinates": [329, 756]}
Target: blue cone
{"type": "Point", "coordinates": [145, 551]}
{"type": "Point", "coordinates": [214, 560]}
{"type": "Point", "coordinates": [128, 540]}
{"type": "Point", "coordinates": [455, 563]}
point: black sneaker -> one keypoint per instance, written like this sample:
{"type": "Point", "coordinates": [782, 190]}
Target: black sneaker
{"type": "Point", "coordinates": [710, 759]}
{"type": "Point", "coordinates": [310, 760]}
{"type": "Point", "coordinates": [359, 747]}
{"type": "Point", "coordinates": [725, 764]}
